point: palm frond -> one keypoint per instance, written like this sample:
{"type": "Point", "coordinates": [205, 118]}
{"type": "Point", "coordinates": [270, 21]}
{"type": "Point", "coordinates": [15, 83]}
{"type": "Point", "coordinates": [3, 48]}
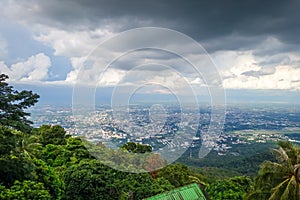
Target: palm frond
{"type": "Point", "coordinates": [279, 190]}
{"type": "Point", "coordinates": [290, 191]}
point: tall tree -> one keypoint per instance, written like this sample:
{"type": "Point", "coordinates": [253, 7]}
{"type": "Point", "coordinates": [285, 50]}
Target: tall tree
{"type": "Point", "coordinates": [27, 144]}
{"type": "Point", "coordinates": [177, 174]}
{"type": "Point", "coordinates": [14, 165]}
{"type": "Point", "coordinates": [281, 179]}
{"type": "Point", "coordinates": [47, 134]}
{"type": "Point", "coordinates": [13, 105]}
{"type": "Point", "coordinates": [89, 180]}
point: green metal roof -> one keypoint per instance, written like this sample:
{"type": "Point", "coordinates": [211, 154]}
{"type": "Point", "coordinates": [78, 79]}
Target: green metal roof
{"type": "Point", "coordinates": [189, 192]}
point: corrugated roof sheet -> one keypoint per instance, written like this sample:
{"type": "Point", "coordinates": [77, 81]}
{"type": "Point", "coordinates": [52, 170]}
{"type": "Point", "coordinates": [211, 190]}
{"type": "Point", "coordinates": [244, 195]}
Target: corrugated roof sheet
{"type": "Point", "coordinates": [189, 192]}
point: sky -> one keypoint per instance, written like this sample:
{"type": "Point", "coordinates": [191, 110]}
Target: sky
{"type": "Point", "coordinates": [255, 46]}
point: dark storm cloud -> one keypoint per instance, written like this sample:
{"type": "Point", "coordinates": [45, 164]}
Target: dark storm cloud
{"type": "Point", "coordinates": [200, 19]}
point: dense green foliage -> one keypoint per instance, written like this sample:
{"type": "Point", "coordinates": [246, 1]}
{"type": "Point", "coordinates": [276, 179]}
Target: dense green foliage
{"type": "Point", "coordinates": [212, 174]}
{"type": "Point", "coordinates": [25, 190]}
{"type": "Point", "coordinates": [234, 188]}
{"type": "Point", "coordinates": [179, 175]}
{"type": "Point", "coordinates": [66, 170]}
{"type": "Point", "coordinates": [15, 165]}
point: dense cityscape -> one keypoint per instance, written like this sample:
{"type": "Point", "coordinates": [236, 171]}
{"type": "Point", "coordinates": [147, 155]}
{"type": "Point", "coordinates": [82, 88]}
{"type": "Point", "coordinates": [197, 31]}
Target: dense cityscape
{"type": "Point", "coordinates": [243, 125]}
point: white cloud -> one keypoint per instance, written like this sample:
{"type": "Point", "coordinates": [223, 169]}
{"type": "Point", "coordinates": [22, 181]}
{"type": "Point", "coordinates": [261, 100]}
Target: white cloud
{"type": "Point", "coordinates": [76, 45]}
{"type": "Point", "coordinates": [72, 43]}
{"type": "Point", "coordinates": [197, 81]}
{"type": "Point", "coordinates": [111, 77]}
{"type": "Point", "coordinates": [246, 70]}
{"type": "Point", "coordinates": [77, 63]}
{"type": "Point", "coordinates": [235, 67]}
{"type": "Point", "coordinates": [35, 68]}
{"type": "Point", "coordinates": [284, 77]}
{"type": "Point", "coordinates": [235, 62]}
